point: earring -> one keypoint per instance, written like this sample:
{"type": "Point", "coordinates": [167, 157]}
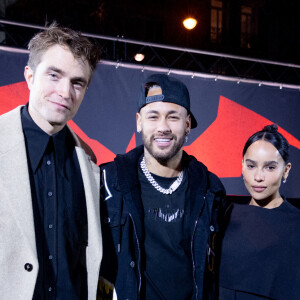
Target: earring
{"type": "Point", "coordinates": [186, 136]}
{"type": "Point", "coordinates": [138, 131]}
{"type": "Point", "coordinates": [284, 180]}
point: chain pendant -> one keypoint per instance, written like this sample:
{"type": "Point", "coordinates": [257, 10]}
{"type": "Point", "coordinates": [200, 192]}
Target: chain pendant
{"type": "Point", "coordinates": [174, 186]}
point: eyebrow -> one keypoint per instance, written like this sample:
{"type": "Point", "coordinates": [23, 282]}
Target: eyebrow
{"type": "Point", "coordinates": [272, 162]}
{"type": "Point", "coordinates": [265, 163]}
{"type": "Point", "coordinates": [59, 71]}
{"type": "Point", "coordinates": [153, 111]}
{"type": "Point", "coordinates": [55, 69]}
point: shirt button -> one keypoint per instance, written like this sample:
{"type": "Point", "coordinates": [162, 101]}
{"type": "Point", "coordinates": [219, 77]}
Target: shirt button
{"type": "Point", "coordinates": [48, 162]}
{"type": "Point", "coordinates": [50, 226]}
{"type": "Point", "coordinates": [212, 228]}
{"type": "Point", "coordinates": [107, 220]}
{"type": "Point", "coordinates": [28, 267]}
{"type": "Point", "coordinates": [50, 289]}
{"type": "Point", "coordinates": [132, 264]}
{"type": "Point", "coordinates": [49, 194]}
{"type": "Point", "coordinates": [50, 257]}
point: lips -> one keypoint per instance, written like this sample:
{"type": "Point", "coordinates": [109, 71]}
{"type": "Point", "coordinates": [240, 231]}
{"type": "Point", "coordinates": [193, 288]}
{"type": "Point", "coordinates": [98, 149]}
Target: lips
{"type": "Point", "coordinates": [60, 105]}
{"type": "Point", "coordinates": [259, 189]}
{"type": "Point", "coordinates": [163, 141]}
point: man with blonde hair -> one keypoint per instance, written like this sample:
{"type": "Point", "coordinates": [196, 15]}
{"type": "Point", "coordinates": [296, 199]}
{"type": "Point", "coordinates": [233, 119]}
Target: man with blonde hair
{"type": "Point", "coordinates": [50, 245]}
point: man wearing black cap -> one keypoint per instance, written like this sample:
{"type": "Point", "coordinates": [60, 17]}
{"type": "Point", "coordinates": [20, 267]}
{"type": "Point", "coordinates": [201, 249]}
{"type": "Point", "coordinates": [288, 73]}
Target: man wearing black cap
{"type": "Point", "coordinates": [161, 207]}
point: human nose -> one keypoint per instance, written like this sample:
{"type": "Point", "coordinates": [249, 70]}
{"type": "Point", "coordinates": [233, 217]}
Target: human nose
{"type": "Point", "coordinates": [259, 176]}
{"type": "Point", "coordinates": [65, 89]}
{"type": "Point", "coordinates": [163, 126]}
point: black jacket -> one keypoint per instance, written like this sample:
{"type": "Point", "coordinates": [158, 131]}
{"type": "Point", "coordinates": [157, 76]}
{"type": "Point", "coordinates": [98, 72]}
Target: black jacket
{"type": "Point", "coordinates": [122, 225]}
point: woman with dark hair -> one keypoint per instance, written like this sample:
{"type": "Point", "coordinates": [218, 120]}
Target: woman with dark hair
{"type": "Point", "coordinates": [261, 246]}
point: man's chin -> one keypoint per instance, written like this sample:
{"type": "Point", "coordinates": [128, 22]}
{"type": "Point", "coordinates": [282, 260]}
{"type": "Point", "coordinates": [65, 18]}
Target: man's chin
{"type": "Point", "coordinates": [163, 154]}
{"type": "Point", "coordinates": [163, 158]}
{"type": "Point", "coordinates": [58, 122]}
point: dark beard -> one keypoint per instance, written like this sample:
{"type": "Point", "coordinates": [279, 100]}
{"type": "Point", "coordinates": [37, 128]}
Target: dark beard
{"type": "Point", "coordinates": [163, 160]}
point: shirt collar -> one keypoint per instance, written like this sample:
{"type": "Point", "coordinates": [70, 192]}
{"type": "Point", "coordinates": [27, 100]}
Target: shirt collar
{"type": "Point", "coordinates": [37, 141]}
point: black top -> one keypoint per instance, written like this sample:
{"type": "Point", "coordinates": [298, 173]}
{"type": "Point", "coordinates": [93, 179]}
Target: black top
{"type": "Point", "coordinates": [59, 211]}
{"type": "Point", "coordinates": [168, 263]}
{"type": "Point", "coordinates": [123, 223]}
{"type": "Point", "coordinates": [260, 254]}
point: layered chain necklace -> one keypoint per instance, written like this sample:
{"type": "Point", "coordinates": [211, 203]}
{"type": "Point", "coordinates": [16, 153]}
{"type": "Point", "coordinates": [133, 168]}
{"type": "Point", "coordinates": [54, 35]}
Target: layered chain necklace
{"type": "Point", "coordinates": [174, 186]}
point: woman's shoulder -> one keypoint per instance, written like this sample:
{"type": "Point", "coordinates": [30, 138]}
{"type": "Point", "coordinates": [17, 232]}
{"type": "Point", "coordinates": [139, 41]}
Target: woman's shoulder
{"type": "Point", "coordinates": [286, 206]}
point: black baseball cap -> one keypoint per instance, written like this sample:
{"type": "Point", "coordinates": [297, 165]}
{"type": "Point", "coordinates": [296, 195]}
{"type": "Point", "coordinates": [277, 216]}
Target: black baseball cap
{"type": "Point", "coordinates": [173, 90]}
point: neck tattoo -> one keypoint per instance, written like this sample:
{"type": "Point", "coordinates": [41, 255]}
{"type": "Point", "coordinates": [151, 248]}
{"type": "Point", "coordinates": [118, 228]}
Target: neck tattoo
{"type": "Point", "coordinates": [174, 186]}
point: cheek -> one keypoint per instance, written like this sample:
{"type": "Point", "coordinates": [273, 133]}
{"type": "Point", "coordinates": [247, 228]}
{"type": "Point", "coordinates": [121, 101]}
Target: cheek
{"type": "Point", "coordinates": [245, 176]}
{"type": "Point", "coordinates": [148, 126]}
{"type": "Point", "coordinates": [244, 170]}
{"type": "Point", "coordinates": [178, 128]}
{"type": "Point", "coordinates": [275, 179]}
{"type": "Point", "coordinates": [43, 91]}
{"type": "Point", "coordinates": [36, 94]}
{"type": "Point", "coordinates": [77, 97]}
{"type": "Point", "coordinates": [248, 177]}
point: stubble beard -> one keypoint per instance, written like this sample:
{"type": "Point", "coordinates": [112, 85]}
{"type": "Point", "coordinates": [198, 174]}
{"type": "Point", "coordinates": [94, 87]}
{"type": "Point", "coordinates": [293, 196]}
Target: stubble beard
{"type": "Point", "coordinates": [164, 157]}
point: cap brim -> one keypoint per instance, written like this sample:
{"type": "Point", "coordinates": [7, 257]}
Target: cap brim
{"type": "Point", "coordinates": [194, 121]}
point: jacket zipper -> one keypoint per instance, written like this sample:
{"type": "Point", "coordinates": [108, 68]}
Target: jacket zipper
{"type": "Point", "coordinates": [139, 250]}
{"type": "Point", "coordinates": [193, 259]}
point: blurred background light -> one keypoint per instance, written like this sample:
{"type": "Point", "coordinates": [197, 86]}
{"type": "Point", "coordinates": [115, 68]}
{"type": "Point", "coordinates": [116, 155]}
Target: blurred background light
{"type": "Point", "coordinates": [190, 23]}
{"type": "Point", "coordinates": [139, 57]}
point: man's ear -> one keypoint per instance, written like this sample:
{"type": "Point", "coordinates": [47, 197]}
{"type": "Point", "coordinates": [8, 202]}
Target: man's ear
{"type": "Point", "coordinates": [28, 74]}
{"type": "Point", "coordinates": [188, 123]}
{"type": "Point", "coordinates": [138, 122]}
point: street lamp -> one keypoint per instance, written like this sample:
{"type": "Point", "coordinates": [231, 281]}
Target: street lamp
{"type": "Point", "coordinates": [189, 23]}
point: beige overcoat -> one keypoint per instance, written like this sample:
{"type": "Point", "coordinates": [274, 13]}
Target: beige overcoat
{"type": "Point", "coordinates": [17, 234]}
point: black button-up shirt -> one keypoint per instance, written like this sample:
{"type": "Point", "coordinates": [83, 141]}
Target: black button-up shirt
{"type": "Point", "coordinates": [59, 210]}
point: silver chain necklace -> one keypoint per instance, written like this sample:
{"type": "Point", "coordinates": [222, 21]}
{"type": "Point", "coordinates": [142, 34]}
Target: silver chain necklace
{"type": "Point", "coordinates": [174, 186]}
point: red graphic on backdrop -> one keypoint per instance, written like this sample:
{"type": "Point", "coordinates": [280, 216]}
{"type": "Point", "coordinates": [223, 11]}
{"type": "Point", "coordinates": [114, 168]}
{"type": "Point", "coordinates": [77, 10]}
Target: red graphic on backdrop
{"type": "Point", "coordinates": [12, 96]}
{"type": "Point", "coordinates": [102, 153]}
{"type": "Point", "coordinates": [132, 144]}
{"type": "Point", "coordinates": [219, 147]}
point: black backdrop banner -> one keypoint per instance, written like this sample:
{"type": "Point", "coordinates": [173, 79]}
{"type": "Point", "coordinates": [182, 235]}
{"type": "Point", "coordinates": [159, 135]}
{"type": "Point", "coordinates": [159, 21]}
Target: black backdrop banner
{"type": "Point", "coordinates": [228, 112]}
